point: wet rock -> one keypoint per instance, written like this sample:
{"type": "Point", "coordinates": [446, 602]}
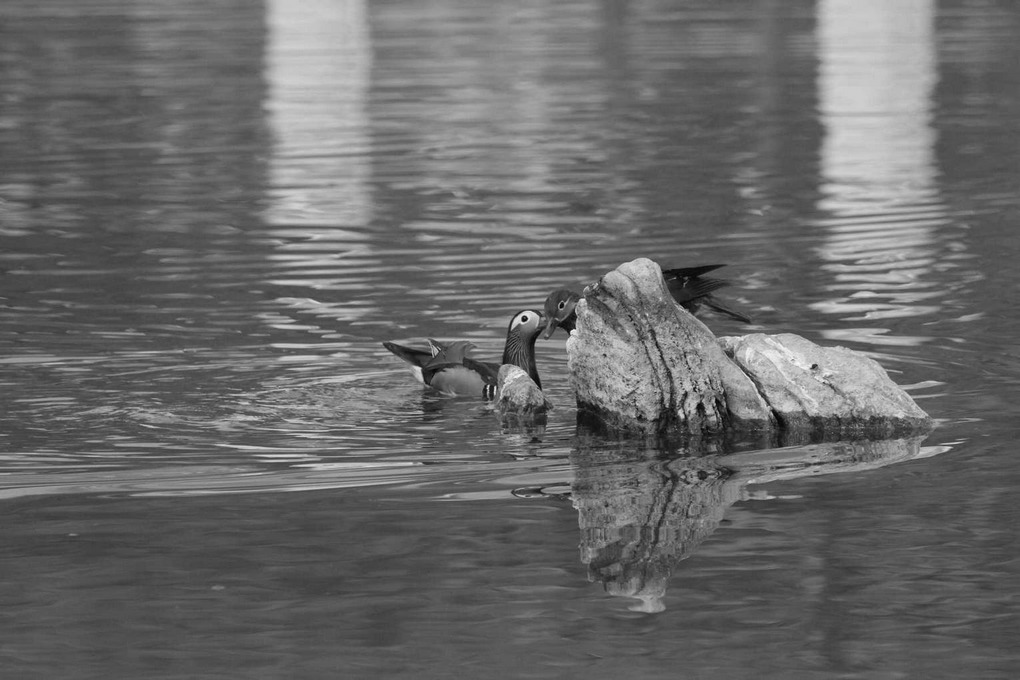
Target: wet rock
{"type": "Point", "coordinates": [639, 361]}
{"type": "Point", "coordinates": [518, 393]}
{"type": "Point", "coordinates": [520, 403]}
{"type": "Point", "coordinates": [831, 390]}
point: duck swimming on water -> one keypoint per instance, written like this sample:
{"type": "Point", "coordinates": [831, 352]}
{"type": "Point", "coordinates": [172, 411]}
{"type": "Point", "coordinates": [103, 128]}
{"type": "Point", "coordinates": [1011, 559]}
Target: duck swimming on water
{"type": "Point", "coordinates": [448, 368]}
{"type": "Point", "coordinates": [686, 284]}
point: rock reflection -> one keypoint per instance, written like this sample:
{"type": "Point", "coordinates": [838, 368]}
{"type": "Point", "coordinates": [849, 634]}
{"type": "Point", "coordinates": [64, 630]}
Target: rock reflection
{"type": "Point", "coordinates": [641, 513]}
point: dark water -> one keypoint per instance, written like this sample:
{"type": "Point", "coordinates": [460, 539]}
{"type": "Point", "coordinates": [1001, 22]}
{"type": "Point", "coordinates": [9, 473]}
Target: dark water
{"type": "Point", "coordinates": [212, 213]}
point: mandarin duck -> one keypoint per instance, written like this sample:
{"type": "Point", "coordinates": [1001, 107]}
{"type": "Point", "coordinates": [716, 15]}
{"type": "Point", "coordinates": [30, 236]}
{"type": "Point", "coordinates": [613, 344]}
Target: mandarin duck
{"type": "Point", "coordinates": [448, 368]}
{"type": "Point", "coordinates": [685, 284]}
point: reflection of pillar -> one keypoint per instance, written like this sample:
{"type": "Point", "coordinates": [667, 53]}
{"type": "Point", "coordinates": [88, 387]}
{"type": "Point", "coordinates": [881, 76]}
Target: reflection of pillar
{"type": "Point", "coordinates": [317, 67]}
{"type": "Point", "coordinates": [877, 72]}
{"type": "Point", "coordinates": [876, 77]}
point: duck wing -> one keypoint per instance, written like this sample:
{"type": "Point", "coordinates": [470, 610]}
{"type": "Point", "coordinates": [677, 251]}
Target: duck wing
{"type": "Point", "coordinates": [691, 291]}
{"type": "Point", "coordinates": [690, 272]}
{"type": "Point", "coordinates": [412, 355]}
{"type": "Point", "coordinates": [688, 290]}
{"type": "Point", "coordinates": [488, 370]}
{"type": "Point", "coordinates": [452, 371]}
{"type": "Point", "coordinates": [714, 305]}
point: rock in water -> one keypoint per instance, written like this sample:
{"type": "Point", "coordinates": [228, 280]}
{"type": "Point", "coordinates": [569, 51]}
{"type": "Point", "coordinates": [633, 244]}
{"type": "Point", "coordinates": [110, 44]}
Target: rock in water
{"type": "Point", "coordinates": [521, 404]}
{"type": "Point", "coordinates": [639, 361]}
{"type": "Point", "coordinates": [830, 390]}
{"type": "Point", "coordinates": [518, 393]}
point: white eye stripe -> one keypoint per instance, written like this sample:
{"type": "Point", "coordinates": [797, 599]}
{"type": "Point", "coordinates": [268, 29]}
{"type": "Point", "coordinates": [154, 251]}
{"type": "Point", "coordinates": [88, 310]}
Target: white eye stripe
{"type": "Point", "coordinates": [527, 318]}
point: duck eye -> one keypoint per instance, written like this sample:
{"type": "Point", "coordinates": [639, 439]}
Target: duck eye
{"type": "Point", "coordinates": [562, 304]}
{"type": "Point", "coordinates": [524, 318]}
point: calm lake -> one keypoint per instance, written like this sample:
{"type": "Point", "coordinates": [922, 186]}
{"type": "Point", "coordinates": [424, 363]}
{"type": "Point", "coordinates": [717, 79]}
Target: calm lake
{"type": "Point", "coordinates": [213, 212]}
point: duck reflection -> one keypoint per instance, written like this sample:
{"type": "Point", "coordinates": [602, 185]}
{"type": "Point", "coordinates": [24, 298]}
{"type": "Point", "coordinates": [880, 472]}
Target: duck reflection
{"type": "Point", "coordinates": [640, 513]}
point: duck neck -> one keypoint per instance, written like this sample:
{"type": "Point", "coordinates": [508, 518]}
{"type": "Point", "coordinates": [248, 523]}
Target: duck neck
{"type": "Point", "coordinates": [521, 352]}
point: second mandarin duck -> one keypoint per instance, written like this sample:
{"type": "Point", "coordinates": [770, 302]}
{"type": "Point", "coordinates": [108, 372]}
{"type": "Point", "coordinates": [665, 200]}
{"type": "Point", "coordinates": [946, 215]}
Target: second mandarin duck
{"type": "Point", "coordinates": [686, 284]}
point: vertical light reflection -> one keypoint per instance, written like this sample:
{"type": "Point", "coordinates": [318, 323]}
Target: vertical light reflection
{"type": "Point", "coordinates": [876, 77]}
{"type": "Point", "coordinates": [317, 70]}
{"type": "Point", "coordinates": [877, 73]}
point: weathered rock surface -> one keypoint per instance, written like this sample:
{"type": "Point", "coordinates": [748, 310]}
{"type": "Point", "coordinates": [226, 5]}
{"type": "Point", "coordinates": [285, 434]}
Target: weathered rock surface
{"type": "Point", "coordinates": [638, 360]}
{"type": "Point", "coordinates": [832, 390]}
{"type": "Point", "coordinates": [518, 393]}
{"type": "Point", "coordinates": [520, 403]}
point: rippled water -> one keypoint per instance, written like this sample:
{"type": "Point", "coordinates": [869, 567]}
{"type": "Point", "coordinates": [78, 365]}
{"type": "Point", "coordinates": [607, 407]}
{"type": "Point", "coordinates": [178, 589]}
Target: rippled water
{"type": "Point", "coordinates": [212, 213]}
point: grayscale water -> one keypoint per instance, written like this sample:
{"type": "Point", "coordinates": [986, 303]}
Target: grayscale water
{"type": "Point", "coordinates": [213, 212]}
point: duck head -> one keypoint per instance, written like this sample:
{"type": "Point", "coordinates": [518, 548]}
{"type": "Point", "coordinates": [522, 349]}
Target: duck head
{"type": "Point", "coordinates": [559, 310]}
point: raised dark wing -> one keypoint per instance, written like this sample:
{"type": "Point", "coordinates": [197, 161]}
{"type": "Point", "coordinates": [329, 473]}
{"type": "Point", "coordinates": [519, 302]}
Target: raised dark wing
{"type": "Point", "coordinates": [690, 272]}
{"type": "Point", "coordinates": [412, 355]}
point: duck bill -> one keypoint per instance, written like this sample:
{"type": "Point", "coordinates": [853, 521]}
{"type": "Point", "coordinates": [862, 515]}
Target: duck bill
{"type": "Point", "coordinates": [550, 327]}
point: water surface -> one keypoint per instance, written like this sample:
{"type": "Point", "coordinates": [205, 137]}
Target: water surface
{"type": "Point", "coordinates": [212, 213]}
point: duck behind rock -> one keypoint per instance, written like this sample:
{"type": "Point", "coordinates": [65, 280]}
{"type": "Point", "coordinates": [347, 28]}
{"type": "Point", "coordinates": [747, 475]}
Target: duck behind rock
{"type": "Point", "coordinates": [448, 368]}
{"type": "Point", "coordinates": [685, 284]}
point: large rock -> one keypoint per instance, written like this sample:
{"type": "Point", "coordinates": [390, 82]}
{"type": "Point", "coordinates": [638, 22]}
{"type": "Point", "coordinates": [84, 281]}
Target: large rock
{"type": "Point", "coordinates": [639, 361]}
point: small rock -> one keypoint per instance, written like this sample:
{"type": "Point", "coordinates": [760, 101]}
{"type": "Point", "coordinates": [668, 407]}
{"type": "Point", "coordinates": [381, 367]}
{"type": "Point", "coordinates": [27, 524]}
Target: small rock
{"type": "Point", "coordinates": [518, 393]}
